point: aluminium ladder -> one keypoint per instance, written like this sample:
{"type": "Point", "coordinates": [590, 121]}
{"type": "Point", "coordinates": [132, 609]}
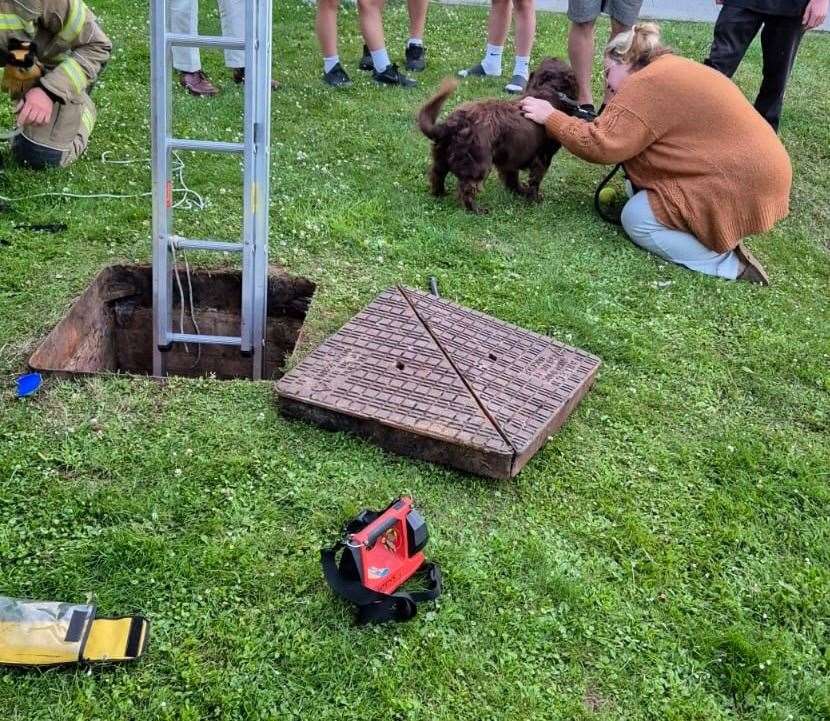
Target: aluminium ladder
{"type": "Point", "coordinates": [255, 150]}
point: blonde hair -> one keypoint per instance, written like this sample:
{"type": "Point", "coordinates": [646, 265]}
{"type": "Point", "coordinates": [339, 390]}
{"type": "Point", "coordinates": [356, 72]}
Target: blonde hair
{"type": "Point", "coordinates": [636, 47]}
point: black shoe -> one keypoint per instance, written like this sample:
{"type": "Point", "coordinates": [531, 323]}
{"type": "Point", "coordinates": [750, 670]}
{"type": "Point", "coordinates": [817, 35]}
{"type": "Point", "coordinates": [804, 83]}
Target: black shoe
{"type": "Point", "coordinates": [392, 76]}
{"type": "Point", "coordinates": [416, 58]}
{"type": "Point", "coordinates": [366, 61]}
{"type": "Point", "coordinates": [337, 77]}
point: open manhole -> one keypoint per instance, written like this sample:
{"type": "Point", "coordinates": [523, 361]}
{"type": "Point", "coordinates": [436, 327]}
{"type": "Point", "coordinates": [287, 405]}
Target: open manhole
{"type": "Point", "coordinates": [110, 328]}
{"type": "Point", "coordinates": [428, 378]}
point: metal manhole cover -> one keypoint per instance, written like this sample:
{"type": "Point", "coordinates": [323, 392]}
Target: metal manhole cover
{"type": "Point", "coordinates": [430, 379]}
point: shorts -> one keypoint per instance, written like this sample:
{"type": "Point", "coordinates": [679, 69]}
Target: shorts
{"type": "Point", "coordinates": [625, 12]}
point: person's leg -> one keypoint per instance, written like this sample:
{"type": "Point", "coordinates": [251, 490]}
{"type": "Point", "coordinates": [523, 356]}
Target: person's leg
{"type": "Point", "coordinates": [525, 12]}
{"type": "Point", "coordinates": [498, 24]}
{"type": "Point", "coordinates": [583, 15]}
{"type": "Point", "coordinates": [184, 19]}
{"type": "Point", "coordinates": [624, 14]}
{"type": "Point", "coordinates": [370, 13]}
{"type": "Point", "coordinates": [734, 30]}
{"type": "Point", "coordinates": [232, 19]}
{"type": "Point", "coordinates": [780, 39]}
{"type": "Point", "coordinates": [415, 52]}
{"type": "Point", "coordinates": [676, 246]}
{"type": "Point", "coordinates": [325, 25]}
{"type": "Point", "coordinates": [61, 141]}
{"type": "Point", "coordinates": [417, 18]}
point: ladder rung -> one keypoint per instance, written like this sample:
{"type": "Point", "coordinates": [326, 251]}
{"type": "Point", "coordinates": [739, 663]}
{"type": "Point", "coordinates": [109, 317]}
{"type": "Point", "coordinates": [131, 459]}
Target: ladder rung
{"type": "Point", "coordinates": [208, 339]}
{"type": "Point", "coordinates": [217, 245]}
{"type": "Point", "coordinates": [209, 146]}
{"type": "Point", "coordinates": [205, 41]}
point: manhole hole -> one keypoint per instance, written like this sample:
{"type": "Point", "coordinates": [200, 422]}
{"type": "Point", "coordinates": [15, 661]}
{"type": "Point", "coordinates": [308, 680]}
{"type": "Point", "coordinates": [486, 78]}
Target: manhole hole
{"type": "Point", "coordinates": [109, 329]}
{"type": "Point", "coordinates": [430, 379]}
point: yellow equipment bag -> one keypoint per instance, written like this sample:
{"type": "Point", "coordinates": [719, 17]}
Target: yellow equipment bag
{"type": "Point", "coordinates": [46, 633]}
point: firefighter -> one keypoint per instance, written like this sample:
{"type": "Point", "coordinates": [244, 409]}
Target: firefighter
{"type": "Point", "coordinates": [52, 51]}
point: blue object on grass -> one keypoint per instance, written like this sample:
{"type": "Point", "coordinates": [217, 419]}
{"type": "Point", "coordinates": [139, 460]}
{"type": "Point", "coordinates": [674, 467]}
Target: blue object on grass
{"type": "Point", "coordinates": [28, 384]}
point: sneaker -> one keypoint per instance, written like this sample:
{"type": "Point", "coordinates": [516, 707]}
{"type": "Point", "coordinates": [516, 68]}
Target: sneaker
{"type": "Point", "coordinates": [198, 84]}
{"type": "Point", "coordinates": [366, 61]}
{"type": "Point", "coordinates": [239, 78]}
{"type": "Point", "coordinates": [416, 58]}
{"type": "Point", "coordinates": [337, 77]}
{"type": "Point", "coordinates": [753, 271]}
{"type": "Point", "coordinates": [392, 76]}
{"type": "Point", "coordinates": [517, 84]}
{"type": "Point", "coordinates": [477, 71]}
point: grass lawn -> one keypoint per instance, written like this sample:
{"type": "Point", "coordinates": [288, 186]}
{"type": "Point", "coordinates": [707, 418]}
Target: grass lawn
{"type": "Point", "coordinates": [666, 557]}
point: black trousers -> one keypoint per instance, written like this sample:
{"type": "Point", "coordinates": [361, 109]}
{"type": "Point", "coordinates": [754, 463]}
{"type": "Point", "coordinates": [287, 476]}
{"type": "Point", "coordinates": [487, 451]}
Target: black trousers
{"type": "Point", "coordinates": [780, 37]}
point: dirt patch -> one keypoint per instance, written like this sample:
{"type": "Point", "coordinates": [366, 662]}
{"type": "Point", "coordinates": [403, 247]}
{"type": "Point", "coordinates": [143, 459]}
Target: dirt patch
{"type": "Point", "coordinates": [109, 329]}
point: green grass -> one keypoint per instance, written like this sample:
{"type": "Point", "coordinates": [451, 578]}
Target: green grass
{"type": "Point", "coordinates": [665, 557]}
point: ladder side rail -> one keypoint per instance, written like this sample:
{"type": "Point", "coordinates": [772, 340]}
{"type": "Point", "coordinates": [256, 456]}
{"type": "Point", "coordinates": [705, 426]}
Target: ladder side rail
{"type": "Point", "coordinates": [161, 107]}
{"type": "Point", "coordinates": [249, 186]}
{"type": "Point", "coordinates": [262, 172]}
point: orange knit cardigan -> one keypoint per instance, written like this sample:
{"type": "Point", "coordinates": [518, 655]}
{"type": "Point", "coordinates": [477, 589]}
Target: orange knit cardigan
{"type": "Point", "coordinates": [711, 164]}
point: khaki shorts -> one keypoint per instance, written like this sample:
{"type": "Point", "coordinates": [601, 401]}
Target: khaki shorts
{"type": "Point", "coordinates": [61, 141]}
{"type": "Point", "coordinates": [625, 12]}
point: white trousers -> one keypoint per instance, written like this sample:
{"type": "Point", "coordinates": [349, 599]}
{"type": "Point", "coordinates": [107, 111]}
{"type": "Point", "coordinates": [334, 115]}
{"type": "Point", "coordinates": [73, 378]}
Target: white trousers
{"type": "Point", "coordinates": [674, 245]}
{"type": "Point", "coordinates": [184, 18]}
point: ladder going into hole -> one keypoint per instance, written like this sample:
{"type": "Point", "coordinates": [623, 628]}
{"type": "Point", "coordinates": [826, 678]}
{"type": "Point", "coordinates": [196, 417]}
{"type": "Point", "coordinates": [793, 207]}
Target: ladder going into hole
{"type": "Point", "coordinates": [255, 150]}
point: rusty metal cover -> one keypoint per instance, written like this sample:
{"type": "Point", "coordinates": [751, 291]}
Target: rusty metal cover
{"type": "Point", "coordinates": [427, 378]}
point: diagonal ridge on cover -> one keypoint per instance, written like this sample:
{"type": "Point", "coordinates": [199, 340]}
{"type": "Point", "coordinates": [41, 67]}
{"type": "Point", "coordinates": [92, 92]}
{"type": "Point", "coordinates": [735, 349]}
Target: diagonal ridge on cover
{"type": "Point", "coordinates": [384, 365]}
{"type": "Point", "coordinates": [523, 379]}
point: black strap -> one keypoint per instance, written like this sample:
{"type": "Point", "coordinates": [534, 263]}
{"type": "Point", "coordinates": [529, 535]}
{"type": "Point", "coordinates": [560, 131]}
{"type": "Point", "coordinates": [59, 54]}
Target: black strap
{"type": "Point", "coordinates": [373, 606]}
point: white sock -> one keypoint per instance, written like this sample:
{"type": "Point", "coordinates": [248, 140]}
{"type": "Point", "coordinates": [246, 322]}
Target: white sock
{"type": "Point", "coordinates": [522, 66]}
{"type": "Point", "coordinates": [380, 59]}
{"type": "Point", "coordinates": [329, 63]}
{"type": "Point", "coordinates": [415, 41]}
{"type": "Point", "coordinates": [492, 59]}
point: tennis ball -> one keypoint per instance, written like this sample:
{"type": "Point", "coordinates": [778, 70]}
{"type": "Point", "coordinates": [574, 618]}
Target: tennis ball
{"type": "Point", "coordinates": [607, 196]}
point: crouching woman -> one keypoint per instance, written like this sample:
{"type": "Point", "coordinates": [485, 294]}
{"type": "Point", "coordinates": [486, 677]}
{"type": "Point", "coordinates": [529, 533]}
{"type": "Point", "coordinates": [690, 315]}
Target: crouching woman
{"type": "Point", "coordinates": [709, 169]}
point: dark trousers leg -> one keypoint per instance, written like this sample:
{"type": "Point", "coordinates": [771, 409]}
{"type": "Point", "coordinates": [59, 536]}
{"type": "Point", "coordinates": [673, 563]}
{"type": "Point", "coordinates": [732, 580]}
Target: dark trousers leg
{"type": "Point", "coordinates": [780, 39]}
{"type": "Point", "coordinates": [734, 31]}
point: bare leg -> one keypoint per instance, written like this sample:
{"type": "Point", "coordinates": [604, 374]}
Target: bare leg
{"type": "Point", "coordinates": [498, 22]}
{"type": "Point", "coordinates": [371, 22]}
{"type": "Point", "coordinates": [581, 54]}
{"type": "Point", "coordinates": [417, 17]}
{"type": "Point", "coordinates": [525, 27]}
{"type": "Point", "coordinates": [326, 26]}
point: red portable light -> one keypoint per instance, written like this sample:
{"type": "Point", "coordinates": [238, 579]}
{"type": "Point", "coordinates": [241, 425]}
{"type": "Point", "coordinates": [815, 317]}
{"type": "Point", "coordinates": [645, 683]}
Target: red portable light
{"type": "Point", "coordinates": [381, 551]}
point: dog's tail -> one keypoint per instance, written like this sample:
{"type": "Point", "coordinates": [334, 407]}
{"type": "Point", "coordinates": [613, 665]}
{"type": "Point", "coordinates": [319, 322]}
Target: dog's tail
{"type": "Point", "coordinates": [429, 113]}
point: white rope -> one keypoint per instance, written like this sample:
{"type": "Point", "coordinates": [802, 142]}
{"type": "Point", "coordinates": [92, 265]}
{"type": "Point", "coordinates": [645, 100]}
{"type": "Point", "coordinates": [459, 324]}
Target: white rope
{"type": "Point", "coordinates": [190, 199]}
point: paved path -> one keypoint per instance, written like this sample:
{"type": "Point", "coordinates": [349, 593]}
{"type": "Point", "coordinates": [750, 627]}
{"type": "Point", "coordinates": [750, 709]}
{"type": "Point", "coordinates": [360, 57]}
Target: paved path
{"type": "Point", "coordinates": [699, 10]}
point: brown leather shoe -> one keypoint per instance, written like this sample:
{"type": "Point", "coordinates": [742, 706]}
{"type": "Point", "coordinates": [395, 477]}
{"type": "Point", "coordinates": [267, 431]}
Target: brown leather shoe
{"type": "Point", "coordinates": [239, 78]}
{"type": "Point", "coordinates": [753, 271]}
{"type": "Point", "coordinates": [198, 84]}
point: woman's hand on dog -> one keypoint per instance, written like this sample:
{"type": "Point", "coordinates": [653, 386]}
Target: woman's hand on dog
{"type": "Point", "coordinates": [537, 110]}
